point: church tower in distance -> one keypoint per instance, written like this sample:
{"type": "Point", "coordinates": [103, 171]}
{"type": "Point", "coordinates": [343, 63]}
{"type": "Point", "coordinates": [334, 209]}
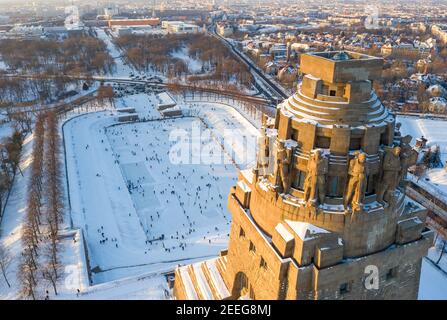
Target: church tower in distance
{"type": "Point", "coordinates": [323, 215]}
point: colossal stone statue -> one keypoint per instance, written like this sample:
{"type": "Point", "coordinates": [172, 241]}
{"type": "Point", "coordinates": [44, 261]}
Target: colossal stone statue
{"type": "Point", "coordinates": [284, 159]}
{"type": "Point", "coordinates": [391, 169]}
{"type": "Point", "coordinates": [357, 182]}
{"type": "Point", "coordinates": [263, 149]}
{"type": "Point", "coordinates": [314, 185]}
{"type": "Point", "coordinates": [408, 157]}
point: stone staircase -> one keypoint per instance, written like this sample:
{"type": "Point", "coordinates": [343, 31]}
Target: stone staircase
{"type": "Point", "coordinates": [203, 280]}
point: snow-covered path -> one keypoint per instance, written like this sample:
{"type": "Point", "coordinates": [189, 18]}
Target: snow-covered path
{"type": "Point", "coordinates": [123, 70]}
{"type": "Point", "coordinates": [11, 226]}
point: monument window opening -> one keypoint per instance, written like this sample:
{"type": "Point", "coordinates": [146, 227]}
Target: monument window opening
{"type": "Point", "coordinates": [241, 233]}
{"type": "Point", "coordinates": [371, 184]}
{"type": "Point", "coordinates": [384, 139]}
{"type": "Point", "coordinates": [263, 263]}
{"type": "Point", "coordinates": [332, 93]}
{"type": "Point", "coordinates": [252, 248]}
{"type": "Point", "coordinates": [323, 142]}
{"type": "Point", "coordinates": [391, 274]}
{"type": "Point", "coordinates": [333, 189]}
{"type": "Point", "coordinates": [344, 288]}
{"type": "Point", "coordinates": [355, 144]}
{"type": "Point", "coordinates": [298, 182]}
{"type": "Point", "coordinates": [241, 285]}
{"type": "Point", "coordinates": [294, 135]}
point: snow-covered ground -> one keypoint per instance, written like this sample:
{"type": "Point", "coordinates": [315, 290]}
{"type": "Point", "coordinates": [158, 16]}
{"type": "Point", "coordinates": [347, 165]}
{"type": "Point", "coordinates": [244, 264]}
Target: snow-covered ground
{"type": "Point", "coordinates": [6, 129]}
{"type": "Point", "coordinates": [3, 65]}
{"type": "Point", "coordinates": [433, 283]}
{"type": "Point", "coordinates": [139, 211]}
{"type": "Point", "coordinates": [142, 213]}
{"type": "Point", "coordinates": [194, 65]}
{"type": "Point", "coordinates": [122, 70]}
{"type": "Point", "coordinates": [435, 131]}
{"type": "Point", "coordinates": [11, 224]}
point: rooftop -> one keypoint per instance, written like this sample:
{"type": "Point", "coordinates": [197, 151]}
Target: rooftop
{"type": "Point", "coordinates": [341, 66]}
{"type": "Point", "coordinates": [342, 55]}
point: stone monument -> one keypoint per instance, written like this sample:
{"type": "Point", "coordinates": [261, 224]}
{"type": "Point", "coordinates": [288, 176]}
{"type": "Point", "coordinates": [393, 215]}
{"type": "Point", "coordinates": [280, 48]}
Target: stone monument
{"type": "Point", "coordinates": [338, 153]}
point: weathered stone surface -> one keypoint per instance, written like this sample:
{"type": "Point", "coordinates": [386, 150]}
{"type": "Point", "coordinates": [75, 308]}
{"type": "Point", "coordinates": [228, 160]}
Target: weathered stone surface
{"type": "Point", "coordinates": [332, 213]}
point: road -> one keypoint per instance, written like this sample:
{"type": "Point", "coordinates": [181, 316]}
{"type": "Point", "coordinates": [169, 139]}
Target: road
{"type": "Point", "coordinates": [275, 93]}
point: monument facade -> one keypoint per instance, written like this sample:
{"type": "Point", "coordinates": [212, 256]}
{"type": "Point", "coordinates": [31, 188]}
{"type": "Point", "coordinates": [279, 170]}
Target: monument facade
{"type": "Point", "coordinates": [323, 214]}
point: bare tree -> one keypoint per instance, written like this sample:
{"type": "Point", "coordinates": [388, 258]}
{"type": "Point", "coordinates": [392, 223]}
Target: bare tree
{"type": "Point", "coordinates": [54, 203]}
{"type": "Point", "coordinates": [5, 262]}
{"type": "Point", "coordinates": [27, 276]}
{"type": "Point", "coordinates": [51, 271]}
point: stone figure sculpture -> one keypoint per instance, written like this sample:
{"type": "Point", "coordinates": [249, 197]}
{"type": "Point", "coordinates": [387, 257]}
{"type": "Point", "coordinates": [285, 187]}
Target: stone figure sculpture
{"type": "Point", "coordinates": [284, 159]}
{"type": "Point", "coordinates": [408, 157]}
{"type": "Point", "coordinates": [355, 191]}
{"type": "Point", "coordinates": [391, 169]}
{"type": "Point", "coordinates": [263, 147]}
{"type": "Point", "coordinates": [314, 185]}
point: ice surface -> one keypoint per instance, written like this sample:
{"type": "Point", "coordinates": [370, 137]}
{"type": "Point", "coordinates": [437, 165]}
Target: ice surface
{"type": "Point", "coordinates": [137, 208]}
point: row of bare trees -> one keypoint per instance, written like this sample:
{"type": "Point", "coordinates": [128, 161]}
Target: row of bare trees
{"type": "Point", "coordinates": [10, 154]}
{"type": "Point", "coordinates": [154, 51]}
{"type": "Point", "coordinates": [49, 61]}
{"type": "Point", "coordinates": [54, 194]}
{"type": "Point", "coordinates": [40, 257]}
{"type": "Point", "coordinates": [78, 53]}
